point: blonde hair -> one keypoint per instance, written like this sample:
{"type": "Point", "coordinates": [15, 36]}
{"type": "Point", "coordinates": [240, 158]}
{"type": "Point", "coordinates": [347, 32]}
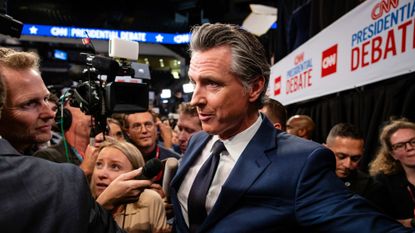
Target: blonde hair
{"type": "Point", "coordinates": [12, 59]}
{"type": "Point", "coordinates": [129, 150]}
{"type": "Point", "coordinates": [19, 60]}
{"type": "Point", "coordinates": [384, 162]}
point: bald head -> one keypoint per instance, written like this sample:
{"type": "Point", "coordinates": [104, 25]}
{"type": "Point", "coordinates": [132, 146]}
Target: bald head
{"type": "Point", "coordinates": [301, 126]}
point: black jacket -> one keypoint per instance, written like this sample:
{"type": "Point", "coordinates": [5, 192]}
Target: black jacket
{"type": "Point", "coordinates": [367, 187]}
{"type": "Point", "coordinates": [399, 204]}
{"type": "Point", "coordinates": [41, 196]}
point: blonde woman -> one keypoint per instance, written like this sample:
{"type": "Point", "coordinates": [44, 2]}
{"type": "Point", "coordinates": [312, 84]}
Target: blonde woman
{"type": "Point", "coordinates": [145, 215]}
{"type": "Point", "coordinates": [394, 167]}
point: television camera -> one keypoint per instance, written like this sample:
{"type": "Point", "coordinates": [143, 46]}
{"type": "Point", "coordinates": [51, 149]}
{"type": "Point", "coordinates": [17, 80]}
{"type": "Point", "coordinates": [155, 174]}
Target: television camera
{"type": "Point", "coordinates": [100, 94]}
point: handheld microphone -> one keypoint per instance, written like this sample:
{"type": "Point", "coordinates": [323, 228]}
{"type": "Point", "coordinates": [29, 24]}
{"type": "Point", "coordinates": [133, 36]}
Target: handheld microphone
{"type": "Point", "coordinates": [151, 169]}
{"type": "Point", "coordinates": [170, 168]}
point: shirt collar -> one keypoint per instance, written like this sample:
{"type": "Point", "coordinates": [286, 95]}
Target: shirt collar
{"type": "Point", "coordinates": [237, 144]}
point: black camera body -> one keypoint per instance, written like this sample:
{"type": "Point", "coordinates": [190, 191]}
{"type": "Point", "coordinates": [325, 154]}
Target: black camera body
{"type": "Point", "coordinates": [100, 95]}
{"type": "Point", "coordinates": [10, 26]}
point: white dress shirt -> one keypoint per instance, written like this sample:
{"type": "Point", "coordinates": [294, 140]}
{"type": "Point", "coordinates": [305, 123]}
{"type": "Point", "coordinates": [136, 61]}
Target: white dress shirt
{"type": "Point", "coordinates": [234, 148]}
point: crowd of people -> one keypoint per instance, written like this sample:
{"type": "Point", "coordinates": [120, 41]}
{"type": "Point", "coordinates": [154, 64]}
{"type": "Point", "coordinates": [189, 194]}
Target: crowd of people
{"type": "Point", "coordinates": [268, 175]}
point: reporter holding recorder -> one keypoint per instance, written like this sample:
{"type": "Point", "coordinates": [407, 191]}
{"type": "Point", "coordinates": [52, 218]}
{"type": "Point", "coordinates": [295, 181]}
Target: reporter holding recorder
{"type": "Point", "coordinates": [144, 212]}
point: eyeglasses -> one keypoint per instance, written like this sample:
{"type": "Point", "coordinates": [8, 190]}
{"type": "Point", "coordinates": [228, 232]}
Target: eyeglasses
{"type": "Point", "coordinates": [138, 126]}
{"type": "Point", "coordinates": [402, 145]}
{"type": "Point", "coordinates": [353, 158]}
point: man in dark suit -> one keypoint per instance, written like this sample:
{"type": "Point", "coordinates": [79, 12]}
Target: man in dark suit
{"type": "Point", "coordinates": [347, 143]}
{"type": "Point", "coordinates": [265, 180]}
{"type": "Point", "coordinates": [38, 195]}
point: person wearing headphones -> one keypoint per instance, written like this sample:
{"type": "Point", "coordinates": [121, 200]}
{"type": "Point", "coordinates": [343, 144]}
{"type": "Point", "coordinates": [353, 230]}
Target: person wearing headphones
{"type": "Point", "coordinates": [73, 147]}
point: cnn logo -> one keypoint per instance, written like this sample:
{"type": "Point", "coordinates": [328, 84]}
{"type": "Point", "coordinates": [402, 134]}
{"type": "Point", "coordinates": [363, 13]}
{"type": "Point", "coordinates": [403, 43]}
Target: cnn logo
{"type": "Point", "coordinates": [277, 85]}
{"type": "Point", "coordinates": [329, 61]}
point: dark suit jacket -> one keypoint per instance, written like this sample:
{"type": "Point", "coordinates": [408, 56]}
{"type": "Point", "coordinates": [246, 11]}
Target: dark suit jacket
{"type": "Point", "coordinates": [57, 153]}
{"type": "Point", "coordinates": [398, 202]}
{"type": "Point", "coordinates": [282, 183]}
{"type": "Point", "coordinates": [367, 187]}
{"type": "Point", "coordinates": [40, 196]}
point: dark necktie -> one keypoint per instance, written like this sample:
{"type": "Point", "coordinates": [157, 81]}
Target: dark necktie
{"type": "Point", "coordinates": [198, 192]}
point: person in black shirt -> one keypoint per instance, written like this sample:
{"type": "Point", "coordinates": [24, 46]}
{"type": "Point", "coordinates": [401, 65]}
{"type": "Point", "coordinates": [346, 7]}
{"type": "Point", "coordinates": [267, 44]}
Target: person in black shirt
{"type": "Point", "coordinates": [394, 167]}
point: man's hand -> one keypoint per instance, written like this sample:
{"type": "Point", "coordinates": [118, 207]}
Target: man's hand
{"type": "Point", "coordinates": [124, 189]}
{"type": "Point", "coordinates": [166, 133]}
{"type": "Point", "coordinates": [158, 189]}
{"type": "Point", "coordinates": [88, 163]}
{"type": "Point", "coordinates": [91, 154]}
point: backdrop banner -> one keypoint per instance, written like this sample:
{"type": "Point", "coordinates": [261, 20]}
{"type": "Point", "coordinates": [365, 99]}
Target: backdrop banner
{"type": "Point", "coordinates": [373, 42]}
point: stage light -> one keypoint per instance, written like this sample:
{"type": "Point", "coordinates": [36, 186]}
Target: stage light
{"type": "Point", "coordinates": [165, 93]}
{"type": "Point", "coordinates": [261, 19]}
{"type": "Point", "coordinates": [188, 88]}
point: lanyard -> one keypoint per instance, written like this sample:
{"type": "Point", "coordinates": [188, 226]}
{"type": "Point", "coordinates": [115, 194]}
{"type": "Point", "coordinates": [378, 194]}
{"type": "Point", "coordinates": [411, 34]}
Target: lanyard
{"type": "Point", "coordinates": [157, 152]}
{"type": "Point", "coordinates": [158, 177]}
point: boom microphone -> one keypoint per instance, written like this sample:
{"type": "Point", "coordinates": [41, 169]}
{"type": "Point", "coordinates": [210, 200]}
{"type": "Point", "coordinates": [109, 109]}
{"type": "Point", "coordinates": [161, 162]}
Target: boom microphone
{"type": "Point", "coordinates": [105, 65]}
{"type": "Point", "coordinates": [151, 169]}
{"type": "Point", "coordinates": [169, 171]}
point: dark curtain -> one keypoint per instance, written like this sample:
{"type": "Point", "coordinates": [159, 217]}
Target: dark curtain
{"type": "Point", "coordinates": [299, 20]}
{"type": "Point", "coordinates": [367, 107]}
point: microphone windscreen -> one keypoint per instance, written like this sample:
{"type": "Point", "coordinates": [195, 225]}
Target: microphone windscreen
{"type": "Point", "coordinates": [170, 168]}
{"type": "Point", "coordinates": [151, 169]}
{"type": "Point", "coordinates": [105, 65]}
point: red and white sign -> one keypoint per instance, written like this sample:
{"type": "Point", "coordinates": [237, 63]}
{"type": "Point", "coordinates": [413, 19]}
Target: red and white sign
{"type": "Point", "coordinates": [277, 85]}
{"type": "Point", "coordinates": [373, 42]}
{"type": "Point", "coordinates": [329, 61]}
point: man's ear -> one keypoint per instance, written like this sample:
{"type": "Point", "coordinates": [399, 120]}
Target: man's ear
{"type": "Point", "coordinates": [278, 125]}
{"type": "Point", "coordinates": [256, 88]}
{"type": "Point", "coordinates": [301, 132]}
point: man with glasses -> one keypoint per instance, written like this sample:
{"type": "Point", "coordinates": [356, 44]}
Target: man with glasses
{"type": "Point", "coordinates": [347, 143]}
{"type": "Point", "coordinates": [142, 130]}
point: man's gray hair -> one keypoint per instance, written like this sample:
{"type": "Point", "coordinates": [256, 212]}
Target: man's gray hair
{"type": "Point", "coordinates": [249, 61]}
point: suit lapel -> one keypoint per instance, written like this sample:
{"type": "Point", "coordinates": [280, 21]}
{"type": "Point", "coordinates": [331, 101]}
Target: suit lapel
{"type": "Point", "coordinates": [196, 145]}
{"type": "Point", "coordinates": [192, 153]}
{"type": "Point", "coordinates": [252, 162]}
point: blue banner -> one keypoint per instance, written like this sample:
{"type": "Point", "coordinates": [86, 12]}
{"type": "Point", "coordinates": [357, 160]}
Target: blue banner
{"type": "Point", "coordinates": [104, 34]}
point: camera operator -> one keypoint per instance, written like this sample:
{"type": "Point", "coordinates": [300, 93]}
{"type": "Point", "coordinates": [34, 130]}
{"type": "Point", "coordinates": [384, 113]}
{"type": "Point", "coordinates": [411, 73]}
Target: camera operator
{"type": "Point", "coordinates": [73, 147]}
{"type": "Point", "coordinates": [38, 195]}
